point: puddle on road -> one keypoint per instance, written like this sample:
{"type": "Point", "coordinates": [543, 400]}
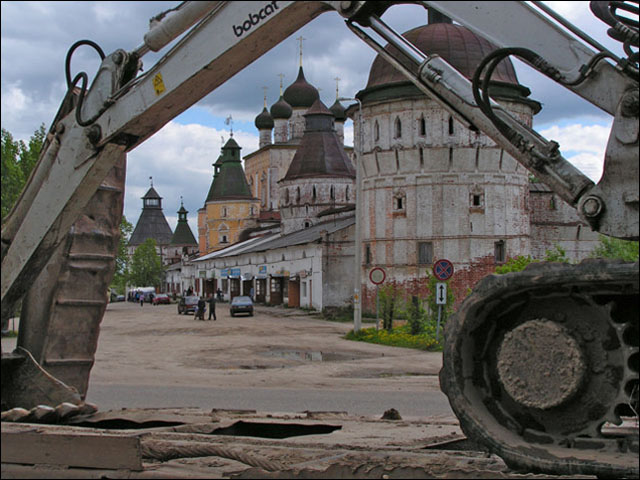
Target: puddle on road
{"type": "Point", "coordinates": [317, 356]}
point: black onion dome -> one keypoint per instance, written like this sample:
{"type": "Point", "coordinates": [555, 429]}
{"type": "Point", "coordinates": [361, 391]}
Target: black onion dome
{"type": "Point", "coordinates": [281, 109]}
{"type": "Point", "coordinates": [338, 111]}
{"type": "Point", "coordinates": [264, 120]}
{"type": "Point", "coordinates": [301, 93]}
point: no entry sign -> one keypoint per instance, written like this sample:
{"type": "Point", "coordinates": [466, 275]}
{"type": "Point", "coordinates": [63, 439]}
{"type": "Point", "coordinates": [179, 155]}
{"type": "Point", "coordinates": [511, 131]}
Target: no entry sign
{"type": "Point", "coordinates": [377, 275]}
{"type": "Point", "coordinates": [443, 269]}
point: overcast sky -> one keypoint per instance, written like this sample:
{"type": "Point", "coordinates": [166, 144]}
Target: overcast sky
{"type": "Point", "coordinates": [37, 35]}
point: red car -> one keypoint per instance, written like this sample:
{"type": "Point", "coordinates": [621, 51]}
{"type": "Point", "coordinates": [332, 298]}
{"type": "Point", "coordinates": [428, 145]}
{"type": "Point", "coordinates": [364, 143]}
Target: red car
{"type": "Point", "coordinates": [161, 298]}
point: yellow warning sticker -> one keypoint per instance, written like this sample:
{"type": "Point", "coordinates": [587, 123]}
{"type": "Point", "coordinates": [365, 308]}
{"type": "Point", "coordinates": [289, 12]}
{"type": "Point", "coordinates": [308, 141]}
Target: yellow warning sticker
{"type": "Point", "coordinates": [158, 84]}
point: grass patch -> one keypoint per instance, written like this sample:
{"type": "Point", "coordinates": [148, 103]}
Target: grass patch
{"type": "Point", "coordinates": [400, 337]}
{"type": "Point", "coordinates": [10, 334]}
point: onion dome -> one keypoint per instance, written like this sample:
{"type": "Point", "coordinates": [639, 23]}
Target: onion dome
{"type": "Point", "coordinates": [281, 109]}
{"type": "Point", "coordinates": [301, 93]}
{"type": "Point", "coordinates": [338, 111]}
{"type": "Point", "coordinates": [264, 121]}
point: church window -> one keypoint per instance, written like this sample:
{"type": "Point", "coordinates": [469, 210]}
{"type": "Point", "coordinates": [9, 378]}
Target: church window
{"type": "Point", "coordinates": [421, 152]}
{"type": "Point", "coordinates": [286, 196]}
{"type": "Point", "coordinates": [346, 193]}
{"type": "Point", "coordinates": [376, 131]}
{"type": "Point", "coordinates": [476, 200]}
{"type": "Point", "coordinates": [224, 211]}
{"type": "Point", "coordinates": [397, 128]}
{"type": "Point", "coordinates": [499, 251]}
{"type": "Point", "coordinates": [423, 126]}
{"type": "Point", "coordinates": [298, 195]}
{"type": "Point", "coordinates": [224, 239]}
{"type": "Point", "coordinates": [367, 255]}
{"type": "Point", "coordinates": [314, 193]}
{"type": "Point", "coordinates": [307, 224]}
{"type": "Point", "coordinates": [399, 201]}
{"type": "Point", "coordinates": [425, 253]}
{"type": "Point", "coordinates": [450, 125]}
{"type": "Point", "coordinates": [332, 193]}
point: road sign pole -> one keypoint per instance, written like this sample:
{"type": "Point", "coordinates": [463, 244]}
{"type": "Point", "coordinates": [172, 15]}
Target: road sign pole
{"type": "Point", "coordinates": [438, 325]}
{"type": "Point", "coordinates": [377, 308]}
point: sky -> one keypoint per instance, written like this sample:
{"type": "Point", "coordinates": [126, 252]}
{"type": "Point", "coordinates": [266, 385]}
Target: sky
{"type": "Point", "coordinates": [35, 38]}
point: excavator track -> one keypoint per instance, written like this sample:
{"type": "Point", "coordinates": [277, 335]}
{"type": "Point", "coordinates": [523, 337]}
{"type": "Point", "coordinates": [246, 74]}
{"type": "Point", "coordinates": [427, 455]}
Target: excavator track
{"type": "Point", "coordinates": [541, 364]}
{"type": "Point", "coordinates": [63, 308]}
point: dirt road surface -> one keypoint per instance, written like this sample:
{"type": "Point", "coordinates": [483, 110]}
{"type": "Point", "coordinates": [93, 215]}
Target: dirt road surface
{"type": "Point", "coordinates": [150, 348]}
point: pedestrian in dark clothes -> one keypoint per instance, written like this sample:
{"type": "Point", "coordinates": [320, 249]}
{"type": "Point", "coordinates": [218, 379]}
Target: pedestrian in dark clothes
{"type": "Point", "coordinates": [201, 307]}
{"type": "Point", "coordinates": [212, 306]}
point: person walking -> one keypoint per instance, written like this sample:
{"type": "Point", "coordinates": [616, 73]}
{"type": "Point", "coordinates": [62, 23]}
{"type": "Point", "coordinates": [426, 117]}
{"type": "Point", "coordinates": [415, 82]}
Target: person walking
{"type": "Point", "coordinates": [212, 306]}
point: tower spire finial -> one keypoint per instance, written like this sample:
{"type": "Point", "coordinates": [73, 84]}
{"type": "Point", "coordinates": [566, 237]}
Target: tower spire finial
{"type": "Point", "coordinates": [229, 121]}
{"type": "Point", "coordinates": [337, 79]}
{"type": "Point", "coordinates": [281, 75]}
{"type": "Point", "coordinates": [265, 95]}
{"type": "Point", "coordinates": [181, 203]}
{"type": "Point", "coordinates": [151, 181]}
{"type": "Point", "coordinates": [301, 38]}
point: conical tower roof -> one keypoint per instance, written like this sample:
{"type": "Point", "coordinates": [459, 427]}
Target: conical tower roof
{"type": "Point", "coordinates": [321, 153]}
{"type": "Point", "coordinates": [183, 234]}
{"type": "Point", "coordinates": [152, 223]}
{"type": "Point", "coordinates": [301, 93]}
{"type": "Point", "coordinates": [338, 111]}
{"type": "Point", "coordinates": [230, 183]}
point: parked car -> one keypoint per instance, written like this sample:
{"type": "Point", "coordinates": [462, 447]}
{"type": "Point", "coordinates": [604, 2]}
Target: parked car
{"type": "Point", "coordinates": [161, 298]}
{"type": "Point", "coordinates": [241, 305]}
{"type": "Point", "coordinates": [120, 298]}
{"type": "Point", "coordinates": [188, 304]}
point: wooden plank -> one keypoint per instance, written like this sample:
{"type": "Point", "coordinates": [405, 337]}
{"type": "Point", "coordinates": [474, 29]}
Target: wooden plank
{"type": "Point", "coordinates": [75, 450]}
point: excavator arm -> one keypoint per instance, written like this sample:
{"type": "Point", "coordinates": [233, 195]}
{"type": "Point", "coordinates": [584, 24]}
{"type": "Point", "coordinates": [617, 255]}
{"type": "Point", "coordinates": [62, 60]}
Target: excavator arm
{"type": "Point", "coordinates": [60, 234]}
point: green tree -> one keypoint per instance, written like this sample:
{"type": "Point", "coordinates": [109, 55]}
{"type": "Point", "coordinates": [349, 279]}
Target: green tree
{"type": "Point", "coordinates": [146, 268]}
{"type": "Point", "coordinates": [388, 304]}
{"type": "Point", "coordinates": [18, 159]}
{"type": "Point", "coordinates": [416, 315]}
{"type": "Point", "coordinates": [610, 247]}
{"type": "Point", "coordinates": [122, 260]}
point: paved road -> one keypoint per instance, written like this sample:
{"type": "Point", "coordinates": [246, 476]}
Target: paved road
{"type": "Point", "coordinates": [410, 404]}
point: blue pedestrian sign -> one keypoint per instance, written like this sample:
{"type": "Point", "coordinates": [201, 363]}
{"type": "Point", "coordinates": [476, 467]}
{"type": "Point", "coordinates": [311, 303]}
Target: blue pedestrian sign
{"type": "Point", "coordinates": [443, 269]}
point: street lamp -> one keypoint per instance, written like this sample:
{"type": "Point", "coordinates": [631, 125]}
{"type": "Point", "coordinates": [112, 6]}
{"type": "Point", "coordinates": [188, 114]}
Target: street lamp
{"type": "Point", "coordinates": [357, 300]}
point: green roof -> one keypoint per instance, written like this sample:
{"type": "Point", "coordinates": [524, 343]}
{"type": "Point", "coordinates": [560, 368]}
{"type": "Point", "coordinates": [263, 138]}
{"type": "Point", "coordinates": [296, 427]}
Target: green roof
{"type": "Point", "coordinates": [230, 183]}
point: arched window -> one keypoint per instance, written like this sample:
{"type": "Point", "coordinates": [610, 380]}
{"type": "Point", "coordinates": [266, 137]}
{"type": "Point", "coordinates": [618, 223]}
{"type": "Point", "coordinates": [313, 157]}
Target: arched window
{"type": "Point", "coordinates": [332, 193]}
{"type": "Point", "coordinates": [376, 131]}
{"type": "Point", "coordinates": [423, 126]}
{"type": "Point", "coordinates": [397, 128]}
{"type": "Point", "coordinates": [314, 192]}
{"type": "Point", "coordinates": [298, 195]}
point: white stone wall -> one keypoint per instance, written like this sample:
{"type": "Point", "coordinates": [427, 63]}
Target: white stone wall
{"type": "Point", "coordinates": [297, 123]}
{"type": "Point", "coordinates": [265, 137]}
{"type": "Point", "coordinates": [280, 130]}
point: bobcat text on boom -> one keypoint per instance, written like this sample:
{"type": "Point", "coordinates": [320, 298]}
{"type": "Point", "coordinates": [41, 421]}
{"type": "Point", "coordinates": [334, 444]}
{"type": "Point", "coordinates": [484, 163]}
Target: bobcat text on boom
{"type": "Point", "coordinates": [255, 18]}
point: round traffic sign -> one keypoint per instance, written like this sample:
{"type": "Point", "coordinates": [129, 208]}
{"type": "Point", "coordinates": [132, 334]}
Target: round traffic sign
{"type": "Point", "coordinates": [443, 269]}
{"type": "Point", "coordinates": [377, 275]}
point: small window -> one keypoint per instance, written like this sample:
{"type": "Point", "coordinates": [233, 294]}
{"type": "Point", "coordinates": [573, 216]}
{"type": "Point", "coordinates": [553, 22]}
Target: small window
{"type": "Point", "coordinates": [397, 128]}
{"type": "Point", "coordinates": [286, 196]}
{"type": "Point", "coordinates": [476, 200]}
{"type": "Point", "coordinates": [421, 157]}
{"type": "Point", "coordinates": [399, 203]}
{"type": "Point", "coordinates": [332, 193]}
{"type": "Point", "coordinates": [298, 195]}
{"type": "Point", "coordinates": [224, 239]}
{"type": "Point", "coordinates": [499, 251]}
{"type": "Point", "coordinates": [450, 125]}
{"type": "Point", "coordinates": [346, 193]}
{"type": "Point", "coordinates": [425, 253]}
{"type": "Point", "coordinates": [307, 224]}
{"type": "Point", "coordinates": [552, 203]}
{"type": "Point", "coordinates": [224, 211]}
{"type": "Point", "coordinates": [376, 131]}
{"type": "Point", "coordinates": [304, 289]}
{"type": "Point", "coordinates": [313, 193]}
{"type": "Point", "coordinates": [423, 126]}
{"type": "Point", "coordinates": [367, 255]}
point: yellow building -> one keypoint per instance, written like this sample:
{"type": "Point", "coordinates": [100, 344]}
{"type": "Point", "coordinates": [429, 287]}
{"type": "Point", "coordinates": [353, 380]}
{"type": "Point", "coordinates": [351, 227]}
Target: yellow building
{"type": "Point", "coordinates": [230, 208]}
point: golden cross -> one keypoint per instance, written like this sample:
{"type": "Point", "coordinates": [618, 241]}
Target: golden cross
{"type": "Point", "coordinates": [281, 75]}
{"type": "Point", "coordinates": [301, 38]}
{"type": "Point", "coordinates": [265, 95]}
{"type": "Point", "coordinates": [337, 79]}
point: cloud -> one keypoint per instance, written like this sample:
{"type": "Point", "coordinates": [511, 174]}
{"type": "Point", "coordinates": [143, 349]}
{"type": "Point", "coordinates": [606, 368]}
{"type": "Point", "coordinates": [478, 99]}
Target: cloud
{"type": "Point", "coordinates": [583, 145]}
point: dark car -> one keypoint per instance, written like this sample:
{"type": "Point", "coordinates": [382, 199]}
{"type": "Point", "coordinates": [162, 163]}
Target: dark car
{"type": "Point", "coordinates": [161, 298]}
{"type": "Point", "coordinates": [188, 304]}
{"type": "Point", "coordinates": [241, 305]}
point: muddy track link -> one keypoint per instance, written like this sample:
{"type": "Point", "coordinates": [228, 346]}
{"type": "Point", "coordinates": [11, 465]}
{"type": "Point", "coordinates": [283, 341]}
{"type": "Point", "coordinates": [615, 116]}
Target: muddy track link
{"type": "Point", "coordinates": [537, 362]}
